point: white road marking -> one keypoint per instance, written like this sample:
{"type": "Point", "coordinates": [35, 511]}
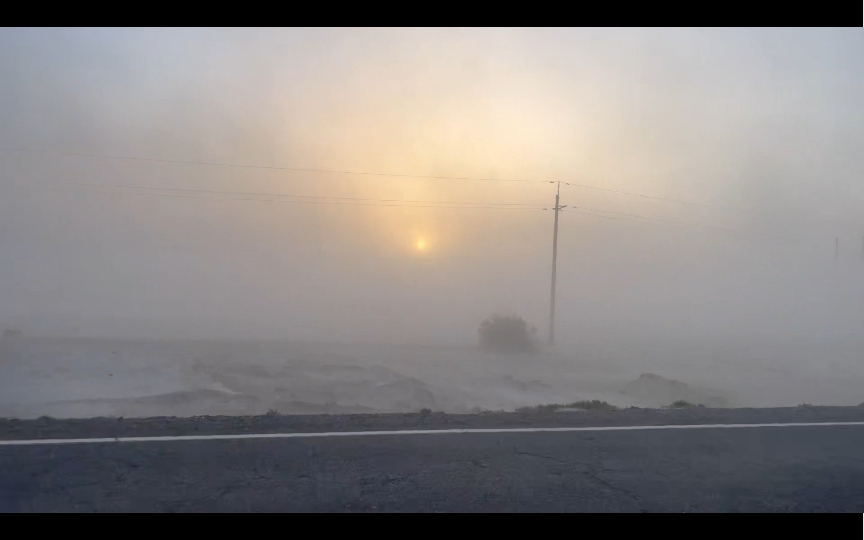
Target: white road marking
{"type": "Point", "coordinates": [468, 431]}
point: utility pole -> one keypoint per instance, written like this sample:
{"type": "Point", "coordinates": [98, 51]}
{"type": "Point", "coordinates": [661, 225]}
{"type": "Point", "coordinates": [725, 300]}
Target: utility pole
{"type": "Point", "coordinates": [558, 208]}
{"type": "Point", "coordinates": [836, 253]}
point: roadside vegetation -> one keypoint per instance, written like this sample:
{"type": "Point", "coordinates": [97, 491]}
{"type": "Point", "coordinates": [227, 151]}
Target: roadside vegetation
{"type": "Point", "coordinates": [593, 405]}
{"type": "Point", "coordinates": [507, 334]}
{"type": "Point", "coordinates": [681, 404]}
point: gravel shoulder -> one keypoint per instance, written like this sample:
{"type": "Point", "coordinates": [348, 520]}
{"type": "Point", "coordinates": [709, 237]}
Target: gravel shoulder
{"type": "Point", "coordinates": [50, 428]}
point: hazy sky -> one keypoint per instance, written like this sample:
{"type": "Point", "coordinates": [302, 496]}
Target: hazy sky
{"type": "Point", "coordinates": [762, 126]}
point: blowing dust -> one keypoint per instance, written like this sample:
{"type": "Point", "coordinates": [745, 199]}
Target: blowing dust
{"type": "Point", "coordinates": [236, 221]}
{"type": "Point", "coordinates": [72, 378]}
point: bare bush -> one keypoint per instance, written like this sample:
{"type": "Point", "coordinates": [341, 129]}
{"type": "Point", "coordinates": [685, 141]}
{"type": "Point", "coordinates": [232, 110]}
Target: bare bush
{"type": "Point", "coordinates": [508, 334]}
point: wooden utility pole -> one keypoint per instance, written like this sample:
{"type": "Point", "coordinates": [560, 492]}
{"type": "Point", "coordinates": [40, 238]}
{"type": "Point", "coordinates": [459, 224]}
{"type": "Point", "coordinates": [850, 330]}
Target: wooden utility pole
{"type": "Point", "coordinates": [558, 208]}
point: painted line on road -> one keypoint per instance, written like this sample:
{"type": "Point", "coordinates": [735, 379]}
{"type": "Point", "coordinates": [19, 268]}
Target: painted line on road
{"type": "Point", "coordinates": [467, 431]}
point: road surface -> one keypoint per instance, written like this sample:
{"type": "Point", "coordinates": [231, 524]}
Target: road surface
{"type": "Point", "coordinates": [751, 469]}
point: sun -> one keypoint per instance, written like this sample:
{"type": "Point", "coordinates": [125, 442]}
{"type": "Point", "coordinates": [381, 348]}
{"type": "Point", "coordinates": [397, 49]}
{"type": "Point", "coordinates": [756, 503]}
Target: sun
{"type": "Point", "coordinates": [420, 244]}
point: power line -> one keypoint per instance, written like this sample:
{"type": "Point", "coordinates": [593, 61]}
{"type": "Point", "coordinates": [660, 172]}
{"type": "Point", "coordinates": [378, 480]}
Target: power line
{"type": "Point", "coordinates": [657, 219]}
{"type": "Point", "coordinates": [623, 219]}
{"type": "Point", "coordinates": [266, 194]}
{"type": "Point", "coordinates": [316, 202]}
{"type": "Point", "coordinates": [314, 199]}
{"type": "Point", "coordinates": [333, 200]}
{"type": "Point", "coordinates": [361, 173]}
{"type": "Point", "coordinates": [679, 201]}
{"type": "Point", "coordinates": [383, 203]}
{"type": "Point", "coordinates": [408, 203]}
{"type": "Point", "coordinates": [733, 231]}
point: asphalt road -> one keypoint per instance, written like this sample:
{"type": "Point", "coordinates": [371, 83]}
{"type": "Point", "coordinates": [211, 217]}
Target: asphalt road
{"type": "Point", "coordinates": [765, 469]}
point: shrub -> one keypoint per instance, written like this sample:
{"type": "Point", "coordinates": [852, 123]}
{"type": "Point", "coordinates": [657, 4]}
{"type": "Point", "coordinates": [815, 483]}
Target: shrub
{"type": "Point", "coordinates": [681, 404]}
{"type": "Point", "coordinates": [593, 405]}
{"type": "Point", "coordinates": [510, 334]}
{"type": "Point", "coordinates": [539, 409]}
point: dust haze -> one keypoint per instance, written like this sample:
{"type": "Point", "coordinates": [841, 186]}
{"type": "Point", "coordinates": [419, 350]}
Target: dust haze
{"type": "Point", "coordinates": [183, 229]}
